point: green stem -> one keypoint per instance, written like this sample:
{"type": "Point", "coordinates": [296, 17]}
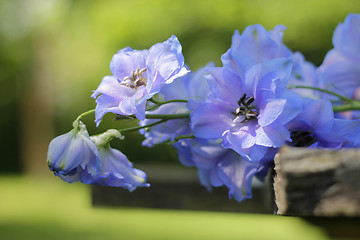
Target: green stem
{"type": "Point", "coordinates": [327, 91]}
{"type": "Point", "coordinates": [173, 100]}
{"type": "Point", "coordinates": [167, 116]}
{"type": "Point", "coordinates": [179, 138]}
{"type": "Point", "coordinates": [154, 100]}
{"type": "Point", "coordinates": [76, 123]}
{"type": "Point", "coordinates": [141, 127]}
{"type": "Point", "coordinates": [353, 105]}
{"type": "Point", "coordinates": [183, 137]}
{"type": "Point", "coordinates": [158, 103]}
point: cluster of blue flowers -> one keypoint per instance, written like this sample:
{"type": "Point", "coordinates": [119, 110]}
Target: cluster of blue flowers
{"type": "Point", "coordinates": [230, 121]}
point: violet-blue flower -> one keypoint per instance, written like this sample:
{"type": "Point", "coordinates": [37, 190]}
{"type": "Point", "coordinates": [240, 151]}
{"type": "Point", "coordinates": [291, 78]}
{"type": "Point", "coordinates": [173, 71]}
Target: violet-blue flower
{"type": "Point", "coordinates": [137, 76]}
{"type": "Point", "coordinates": [116, 169]}
{"type": "Point", "coordinates": [73, 156]}
{"type": "Point", "coordinates": [316, 127]}
{"type": "Point", "coordinates": [340, 70]}
{"type": "Point", "coordinates": [248, 113]}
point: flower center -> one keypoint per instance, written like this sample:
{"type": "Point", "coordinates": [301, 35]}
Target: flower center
{"type": "Point", "coordinates": [136, 80]}
{"type": "Point", "coordinates": [246, 111]}
{"type": "Point", "coordinates": [301, 138]}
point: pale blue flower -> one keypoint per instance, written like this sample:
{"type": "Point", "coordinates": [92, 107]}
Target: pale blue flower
{"type": "Point", "coordinates": [316, 127]}
{"type": "Point", "coordinates": [248, 113]}
{"type": "Point", "coordinates": [138, 76]}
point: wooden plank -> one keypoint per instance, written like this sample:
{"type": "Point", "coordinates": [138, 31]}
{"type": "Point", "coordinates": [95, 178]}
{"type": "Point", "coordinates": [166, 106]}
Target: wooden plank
{"type": "Point", "coordinates": [317, 182]}
{"type": "Point", "coordinates": [175, 187]}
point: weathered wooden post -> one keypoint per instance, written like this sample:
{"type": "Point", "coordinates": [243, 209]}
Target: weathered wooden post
{"type": "Point", "coordinates": [313, 182]}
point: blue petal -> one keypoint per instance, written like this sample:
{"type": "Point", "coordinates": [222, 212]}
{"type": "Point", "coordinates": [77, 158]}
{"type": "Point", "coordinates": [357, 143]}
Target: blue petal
{"type": "Point", "coordinates": [117, 171]}
{"type": "Point", "coordinates": [294, 106]}
{"type": "Point", "coordinates": [205, 178]}
{"type": "Point", "coordinates": [272, 111]}
{"type": "Point", "coordinates": [304, 74]}
{"type": "Point", "coordinates": [73, 153]}
{"type": "Point", "coordinates": [112, 94]}
{"type": "Point", "coordinates": [127, 60]}
{"type": "Point", "coordinates": [165, 63]}
{"type": "Point", "coordinates": [184, 153]}
{"type": "Point", "coordinates": [210, 120]}
{"type": "Point", "coordinates": [57, 151]}
{"type": "Point", "coordinates": [272, 136]}
{"type": "Point", "coordinates": [225, 85]}
{"type": "Point", "coordinates": [319, 114]}
{"type": "Point", "coordinates": [237, 175]}
{"type": "Point", "coordinates": [254, 153]}
{"type": "Point", "coordinates": [346, 37]}
{"type": "Point", "coordinates": [241, 137]}
{"type": "Point", "coordinates": [348, 129]}
{"type": "Point", "coordinates": [275, 75]}
{"type": "Point", "coordinates": [339, 74]}
{"type": "Point", "coordinates": [255, 45]}
{"type": "Point", "coordinates": [72, 176]}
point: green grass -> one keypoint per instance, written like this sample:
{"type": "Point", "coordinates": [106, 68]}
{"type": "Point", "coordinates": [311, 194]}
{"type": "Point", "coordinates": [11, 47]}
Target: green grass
{"type": "Point", "coordinates": [50, 209]}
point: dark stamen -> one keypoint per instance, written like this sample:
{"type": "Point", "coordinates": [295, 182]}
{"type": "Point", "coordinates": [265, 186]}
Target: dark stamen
{"type": "Point", "coordinates": [136, 80]}
{"type": "Point", "coordinates": [246, 109]}
{"type": "Point", "coordinates": [301, 138]}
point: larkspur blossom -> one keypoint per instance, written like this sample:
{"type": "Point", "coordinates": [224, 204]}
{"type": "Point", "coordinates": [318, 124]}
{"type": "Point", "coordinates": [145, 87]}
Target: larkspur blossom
{"type": "Point", "coordinates": [248, 113]}
{"type": "Point", "coordinates": [316, 127]}
{"type": "Point", "coordinates": [137, 76]}
{"type": "Point", "coordinates": [73, 156]}
{"type": "Point", "coordinates": [249, 105]}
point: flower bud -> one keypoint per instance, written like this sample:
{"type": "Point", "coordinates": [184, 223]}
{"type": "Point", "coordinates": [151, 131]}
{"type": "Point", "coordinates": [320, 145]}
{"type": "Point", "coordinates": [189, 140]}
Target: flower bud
{"type": "Point", "coordinates": [72, 154]}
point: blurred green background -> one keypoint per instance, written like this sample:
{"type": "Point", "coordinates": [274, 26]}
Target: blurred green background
{"type": "Point", "coordinates": [53, 53]}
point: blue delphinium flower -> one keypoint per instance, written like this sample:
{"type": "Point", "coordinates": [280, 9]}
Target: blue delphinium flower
{"type": "Point", "coordinates": [218, 166]}
{"type": "Point", "coordinates": [137, 76]}
{"type": "Point", "coordinates": [116, 169]}
{"type": "Point", "coordinates": [340, 70]}
{"type": "Point", "coordinates": [248, 113]}
{"type": "Point", "coordinates": [192, 87]}
{"type": "Point", "coordinates": [316, 127]}
{"type": "Point", "coordinates": [73, 156]}
{"type": "Point", "coordinates": [249, 105]}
